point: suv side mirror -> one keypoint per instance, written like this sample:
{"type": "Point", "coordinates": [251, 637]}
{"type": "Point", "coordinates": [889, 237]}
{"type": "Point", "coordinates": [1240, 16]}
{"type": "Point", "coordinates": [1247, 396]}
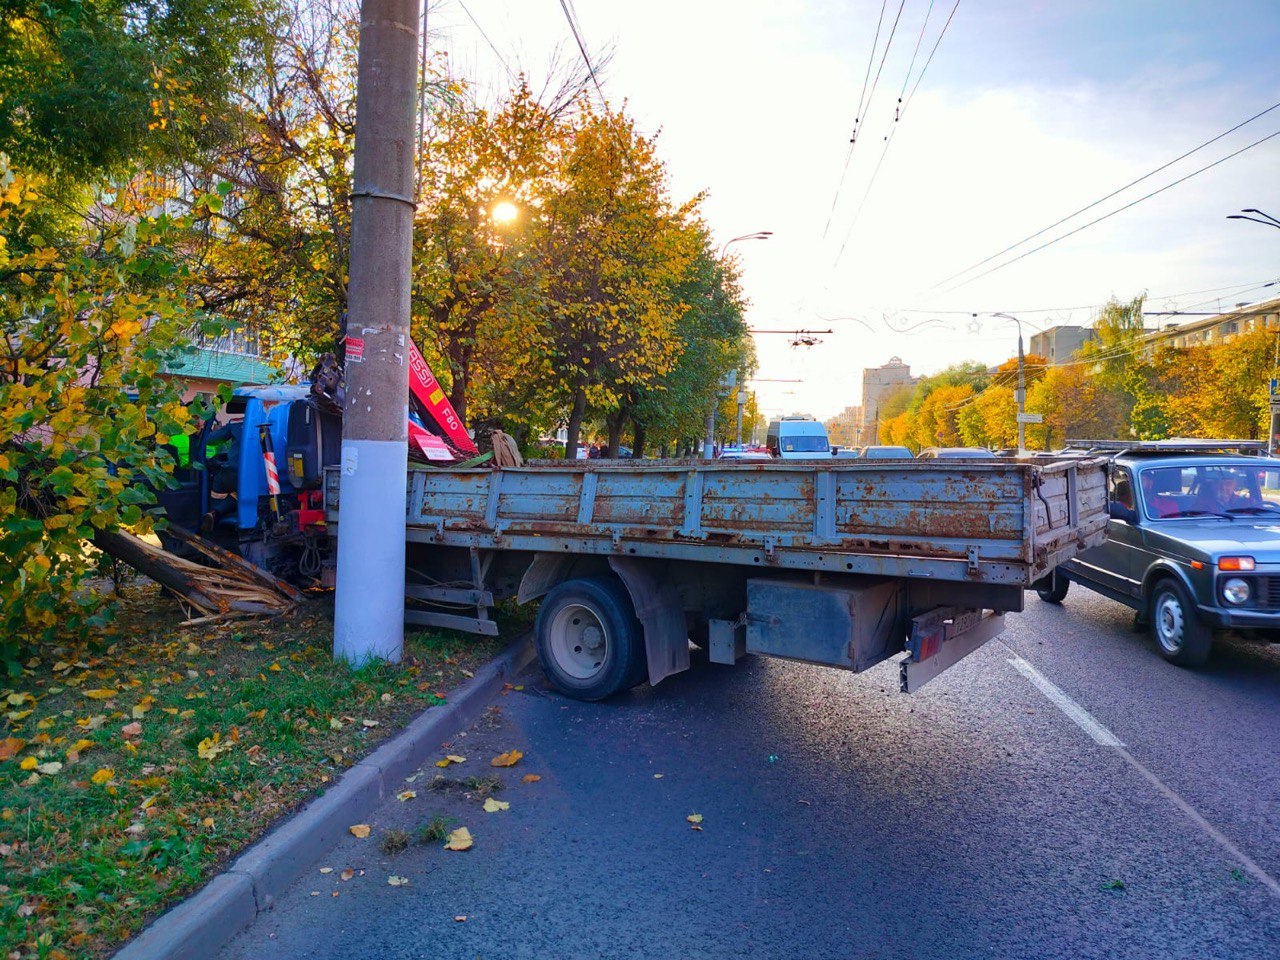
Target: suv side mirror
{"type": "Point", "coordinates": [1118, 511]}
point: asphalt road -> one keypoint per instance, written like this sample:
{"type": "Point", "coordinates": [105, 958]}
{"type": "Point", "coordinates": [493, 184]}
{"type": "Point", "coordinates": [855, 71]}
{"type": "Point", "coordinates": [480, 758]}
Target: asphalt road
{"type": "Point", "coordinates": [842, 819]}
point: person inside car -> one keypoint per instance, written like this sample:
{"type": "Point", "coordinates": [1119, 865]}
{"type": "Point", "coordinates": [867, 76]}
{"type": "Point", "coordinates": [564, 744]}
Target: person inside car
{"type": "Point", "coordinates": [1217, 495]}
{"type": "Point", "coordinates": [1158, 504]}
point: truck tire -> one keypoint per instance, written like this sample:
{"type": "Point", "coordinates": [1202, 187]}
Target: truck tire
{"type": "Point", "coordinates": [1181, 636]}
{"type": "Point", "coordinates": [1052, 588]}
{"type": "Point", "coordinates": [590, 643]}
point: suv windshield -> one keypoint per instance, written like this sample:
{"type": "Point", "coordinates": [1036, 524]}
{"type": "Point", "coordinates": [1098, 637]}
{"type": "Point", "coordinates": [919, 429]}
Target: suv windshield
{"type": "Point", "coordinates": [1221, 490]}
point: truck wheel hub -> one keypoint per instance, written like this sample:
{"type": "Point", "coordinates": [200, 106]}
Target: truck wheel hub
{"type": "Point", "coordinates": [578, 641]}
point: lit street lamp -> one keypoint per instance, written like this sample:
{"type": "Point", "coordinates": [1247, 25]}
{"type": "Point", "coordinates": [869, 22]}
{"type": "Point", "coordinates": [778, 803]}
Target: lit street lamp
{"type": "Point", "coordinates": [1021, 393]}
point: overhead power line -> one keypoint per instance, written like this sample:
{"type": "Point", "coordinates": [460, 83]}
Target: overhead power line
{"type": "Point", "coordinates": [925, 68]}
{"type": "Point", "coordinates": [1107, 216]}
{"type": "Point", "coordinates": [853, 138]}
{"type": "Point", "coordinates": [1113, 193]}
{"type": "Point", "coordinates": [915, 53]}
{"type": "Point", "coordinates": [566, 6]}
{"type": "Point", "coordinates": [899, 113]}
{"type": "Point", "coordinates": [496, 52]}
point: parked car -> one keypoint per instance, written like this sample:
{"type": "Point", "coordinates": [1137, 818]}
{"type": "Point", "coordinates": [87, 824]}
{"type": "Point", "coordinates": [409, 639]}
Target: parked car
{"type": "Point", "coordinates": [886, 453]}
{"type": "Point", "coordinates": [955, 453]}
{"type": "Point", "coordinates": [1193, 545]}
{"type": "Point", "coordinates": [734, 452]}
{"type": "Point", "coordinates": [846, 453]}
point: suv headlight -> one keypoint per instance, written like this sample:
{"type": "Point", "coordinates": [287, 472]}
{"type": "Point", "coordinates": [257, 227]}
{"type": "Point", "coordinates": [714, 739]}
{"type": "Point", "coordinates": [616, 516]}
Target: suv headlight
{"type": "Point", "coordinates": [1235, 590]}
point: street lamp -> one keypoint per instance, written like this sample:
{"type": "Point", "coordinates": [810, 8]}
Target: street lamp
{"type": "Point", "coordinates": [1270, 221]}
{"type": "Point", "coordinates": [709, 444]}
{"type": "Point", "coordinates": [1021, 393]}
{"type": "Point", "coordinates": [758, 235]}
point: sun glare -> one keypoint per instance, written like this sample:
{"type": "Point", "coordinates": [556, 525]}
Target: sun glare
{"type": "Point", "coordinates": [504, 212]}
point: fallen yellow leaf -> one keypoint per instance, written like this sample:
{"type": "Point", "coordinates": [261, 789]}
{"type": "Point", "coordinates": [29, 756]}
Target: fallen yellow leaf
{"type": "Point", "coordinates": [694, 818]}
{"type": "Point", "coordinates": [530, 778]}
{"type": "Point", "coordinates": [274, 667]}
{"type": "Point", "coordinates": [29, 763]}
{"type": "Point", "coordinates": [348, 873]}
{"type": "Point", "coordinates": [359, 830]}
{"type": "Point", "coordinates": [207, 821]}
{"type": "Point", "coordinates": [50, 768]}
{"type": "Point", "coordinates": [103, 775]}
{"type": "Point", "coordinates": [10, 746]}
{"type": "Point", "coordinates": [210, 747]}
{"type": "Point", "coordinates": [508, 759]}
{"type": "Point", "coordinates": [102, 693]}
{"type": "Point", "coordinates": [493, 806]}
{"type": "Point", "coordinates": [80, 746]}
{"type": "Point", "coordinates": [18, 699]}
{"type": "Point", "coordinates": [404, 795]}
{"type": "Point", "coordinates": [459, 839]}
{"type": "Point", "coordinates": [451, 758]}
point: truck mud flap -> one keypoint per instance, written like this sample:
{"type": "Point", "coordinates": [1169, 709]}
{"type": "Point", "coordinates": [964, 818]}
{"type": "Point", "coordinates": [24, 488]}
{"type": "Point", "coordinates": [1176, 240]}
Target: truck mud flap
{"type": "Point", "coordinates": [942, 638]}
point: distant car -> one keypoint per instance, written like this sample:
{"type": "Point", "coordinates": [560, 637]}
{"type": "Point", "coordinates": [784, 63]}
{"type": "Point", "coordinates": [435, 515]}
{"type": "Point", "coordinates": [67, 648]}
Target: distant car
{"type": "Point", "coordinates": [886, 453]}
{"type": "Point", "coordinates": [955, 453]}
{"type": "Point", "coordinates": [846, 453]}
{"type": "Point", "coordinates": [744, 453]}
{"type": "Point", "coordinates": [1193, 546]}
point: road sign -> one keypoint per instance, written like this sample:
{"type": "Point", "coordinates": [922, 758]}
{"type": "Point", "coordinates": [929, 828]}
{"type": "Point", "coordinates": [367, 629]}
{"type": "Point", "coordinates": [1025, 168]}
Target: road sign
{"type": "Point", "coordinates": [1031, 418]}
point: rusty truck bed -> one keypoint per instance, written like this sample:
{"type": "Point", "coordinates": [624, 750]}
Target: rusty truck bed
{"type": "Point", "coordinates": [1004, 521]}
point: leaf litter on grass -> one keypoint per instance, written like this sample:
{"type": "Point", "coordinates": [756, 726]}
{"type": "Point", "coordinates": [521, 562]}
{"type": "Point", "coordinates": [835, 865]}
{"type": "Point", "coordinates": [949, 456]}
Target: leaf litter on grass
{"type": "Point", "coordinates": [130, 814]}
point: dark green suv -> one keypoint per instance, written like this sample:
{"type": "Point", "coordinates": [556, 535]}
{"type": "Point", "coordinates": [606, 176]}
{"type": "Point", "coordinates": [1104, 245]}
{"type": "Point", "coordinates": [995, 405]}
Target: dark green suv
{"type": "Point", "coordinates": [1193, 545]}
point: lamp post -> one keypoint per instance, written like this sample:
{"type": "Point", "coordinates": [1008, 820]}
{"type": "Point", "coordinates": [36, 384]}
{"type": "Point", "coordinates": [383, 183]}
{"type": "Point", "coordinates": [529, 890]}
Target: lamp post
{"type": "Point", "coordinates": [1269, 220]}
{"type": "Point", "coordinates": [1273, 440]}
{"type": "Point", "coordinates": [709, 444]}
{"type": "Point", "coordinates": [1021, 393]}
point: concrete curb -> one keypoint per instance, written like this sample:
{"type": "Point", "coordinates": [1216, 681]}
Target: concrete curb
{"type": "Point", "coordinates": [198, 927]}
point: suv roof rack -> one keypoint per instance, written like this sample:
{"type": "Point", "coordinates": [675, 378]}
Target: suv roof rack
{"type": "Point", "coordinates": [1173, 445]}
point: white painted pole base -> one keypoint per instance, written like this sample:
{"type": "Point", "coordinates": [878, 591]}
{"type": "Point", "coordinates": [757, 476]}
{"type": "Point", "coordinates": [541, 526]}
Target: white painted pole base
{"type": "Point", "coordinates": [369, 604]}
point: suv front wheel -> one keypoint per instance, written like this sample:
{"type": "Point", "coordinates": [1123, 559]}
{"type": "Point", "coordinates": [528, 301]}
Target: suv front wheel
{"type": "Point", "coordinates": [1180, 635]}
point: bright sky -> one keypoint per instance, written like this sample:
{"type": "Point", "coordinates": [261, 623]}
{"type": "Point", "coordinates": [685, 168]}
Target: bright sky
{"type": "Point", "coordinates": [1030, 110]}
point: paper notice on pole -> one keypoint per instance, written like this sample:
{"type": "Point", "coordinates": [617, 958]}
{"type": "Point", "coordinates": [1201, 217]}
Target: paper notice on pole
{"type": "Point", "coordinates": [355, 349]}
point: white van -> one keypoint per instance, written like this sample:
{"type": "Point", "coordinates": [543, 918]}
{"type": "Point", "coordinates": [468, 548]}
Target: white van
{"type": "Point", "coordinates": [798, 438]}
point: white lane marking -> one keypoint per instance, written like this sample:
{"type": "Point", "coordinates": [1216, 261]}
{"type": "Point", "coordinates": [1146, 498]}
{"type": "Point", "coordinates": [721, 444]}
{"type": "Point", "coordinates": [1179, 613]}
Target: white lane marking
{"type": "Point", "coordinates": [1077, 713]}
{"type": "Point", "coordinates": [1102, 735]}
{"type": "Point", "coordinates": [1193, 814]}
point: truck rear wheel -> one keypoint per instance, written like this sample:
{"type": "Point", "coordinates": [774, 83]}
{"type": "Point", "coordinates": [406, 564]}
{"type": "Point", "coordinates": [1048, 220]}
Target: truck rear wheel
{"type": "Point", "coordinates": [590, 643]}
{"type": "Point", "coordinates": [1180, 634]}
{"type": "Point", "coordinates": [1052, 588]}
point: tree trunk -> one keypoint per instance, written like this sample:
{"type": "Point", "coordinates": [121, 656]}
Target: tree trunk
{"type": "Point", "coordinates": [575, 422]}
{"type": "Point", "coordinates": [615, 422]}
{"type": "Point", "coordinates": [458, 392]}
{"type": "Point", "coordinates": [637, 445]}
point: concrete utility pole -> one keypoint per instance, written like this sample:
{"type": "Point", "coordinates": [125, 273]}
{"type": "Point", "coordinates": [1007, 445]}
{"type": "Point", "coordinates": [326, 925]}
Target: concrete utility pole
{"type": "Point", "coordinates": [369, 615]}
